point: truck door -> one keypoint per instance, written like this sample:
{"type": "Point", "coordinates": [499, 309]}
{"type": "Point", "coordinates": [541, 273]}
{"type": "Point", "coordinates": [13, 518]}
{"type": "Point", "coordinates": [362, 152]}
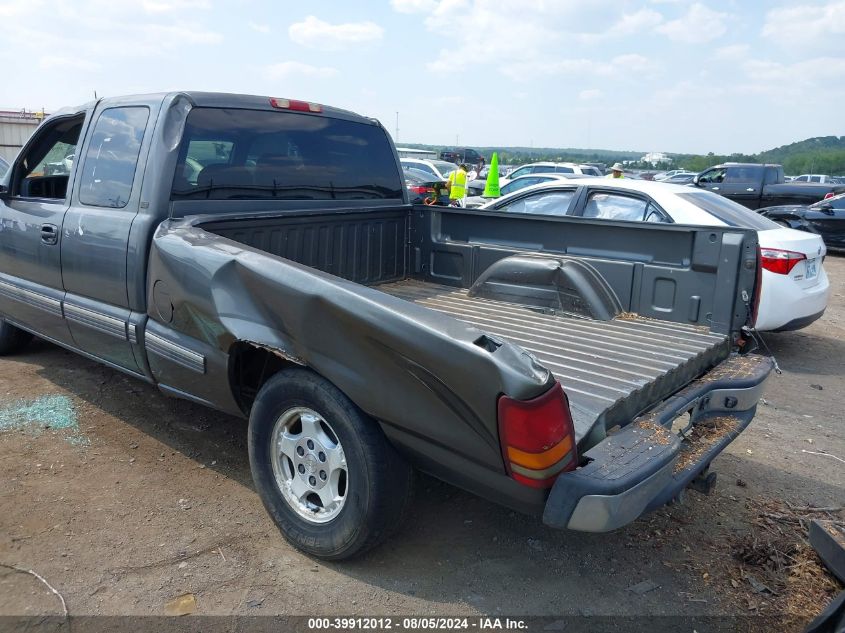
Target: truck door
{"type": "Point", "coordinates": [743, 184]}
{"type": "Point", "coordinates": [31, 214]}
{"type": "Point", "coordinates": [96, 231]}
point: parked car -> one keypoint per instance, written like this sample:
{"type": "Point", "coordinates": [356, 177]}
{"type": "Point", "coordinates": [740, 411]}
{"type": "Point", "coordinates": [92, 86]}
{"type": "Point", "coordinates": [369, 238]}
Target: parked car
{"type": "Point", "coordinates": [423, 186]}
{"type": "Point", "coordinates": [795, 287]}
{"type": "Point", "coordinates": [294, 285]}
{"type": "Point", "coordinates": [462, 155]}
{"type": "Point", "coordinates": [825, 218]}
{"type": "Point", "coordinates": [679, 179]}
{"type": "Point", "coordinates": [438, 169]}
{"type": "Point", "coordinates": [818, 178]}
{"type": "Point", "coordinates": [551, 168]}
{"type": "Point", "coordinates": [755, 186]}
{"type": "Point", "coordinates": [520, 182]}
{"type": "Point", "coordinates": [665, 175]}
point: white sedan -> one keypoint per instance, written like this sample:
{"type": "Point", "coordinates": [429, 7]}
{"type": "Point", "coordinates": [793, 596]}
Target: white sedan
{"type": "Point", "coordinates": [795, 288]}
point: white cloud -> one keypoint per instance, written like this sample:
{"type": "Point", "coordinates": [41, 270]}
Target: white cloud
{"type": "Point", "coordinates": [806, 23]}
{"type": "Point", "coordinates": [168, 6]}
{"type": "Point", "coordinates": [413, 6]}
{"type": "Point", "coordinates": [66, 62]}
{"type": "Point", "coordinates": [638, 22]}
{"type": "Point", "coordinates": [733, 52]}
{"type": "Point", "coordinates": [258, 28]}
{"type": "Point", "coordinates": [632, 62]}
{"type": "Point", "coordinates": [315, 33]}
{"type": "Point", "coordinates": [619, 66]}
{"type": "Point", "coordinates": [697, 26]}
{"type": "Point", "coordinates": [808, 73]}
{"type": "Point", "coordinates": [590, 94]}
{"type": "Point", "coordinates": [288, 69]}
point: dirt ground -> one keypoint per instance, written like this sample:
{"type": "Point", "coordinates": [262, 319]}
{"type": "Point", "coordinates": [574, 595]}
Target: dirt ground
{"type": "Point", "coordinates": [140, 498]}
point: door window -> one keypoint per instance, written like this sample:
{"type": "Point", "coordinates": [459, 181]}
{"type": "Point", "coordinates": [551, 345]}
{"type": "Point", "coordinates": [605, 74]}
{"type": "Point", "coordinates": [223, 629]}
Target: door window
{"type": "Point", "coordinates": [564, 170]}
{"type": "Point", "coordinates": [522, 171]}
{"type": "Point", "coordinates": [44, 170]}
{"type": "Point", "coordinates": [743, 175]}
{"type": "Point", "coordinates": [545, 203]}
{"type": "Point", "coordinates": [112, 157]}
{"type": "Point", "coordinates": [713, 175]}
{"type": "Point", "coordinates": [613, 206]}
{"type": "Point", "coordinates": [521, 183]}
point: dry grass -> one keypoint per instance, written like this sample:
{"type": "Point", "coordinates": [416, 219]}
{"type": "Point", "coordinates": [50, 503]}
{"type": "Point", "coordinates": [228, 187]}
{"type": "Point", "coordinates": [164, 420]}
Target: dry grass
{"type": "Point", "coordinates": [778, 569]}
{"type": "Point", "coordinates": [702, 438]}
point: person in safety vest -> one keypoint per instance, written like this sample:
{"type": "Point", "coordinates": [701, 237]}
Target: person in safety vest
{"type": "Point", "coordinates": [616, 171]}
{"type": "Point", "coordinates": [457, 186]}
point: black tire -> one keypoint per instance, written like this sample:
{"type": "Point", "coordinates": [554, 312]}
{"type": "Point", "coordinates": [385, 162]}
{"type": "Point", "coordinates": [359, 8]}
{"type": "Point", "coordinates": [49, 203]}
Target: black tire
{"type": "Point", "coordinates": [379, 480]}
{"type": "Point", "coordinates": [12, 339]}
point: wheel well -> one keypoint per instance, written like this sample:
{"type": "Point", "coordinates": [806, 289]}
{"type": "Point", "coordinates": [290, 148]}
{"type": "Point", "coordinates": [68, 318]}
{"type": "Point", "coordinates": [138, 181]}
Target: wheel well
{"type": "Point", "coordinates": [250, 366]}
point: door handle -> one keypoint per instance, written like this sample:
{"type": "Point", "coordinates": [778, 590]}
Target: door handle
{"type": "Point", "coordinates": [751, 189]}
{"type": "Point", "coordinates": [714, 188]}
{"type": "Point", "coordinates": [50, 234]}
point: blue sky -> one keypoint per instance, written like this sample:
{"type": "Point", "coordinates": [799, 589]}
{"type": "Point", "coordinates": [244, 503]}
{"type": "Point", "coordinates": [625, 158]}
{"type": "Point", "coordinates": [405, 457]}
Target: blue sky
{"type": "Point", "coordinates": [659, 75]}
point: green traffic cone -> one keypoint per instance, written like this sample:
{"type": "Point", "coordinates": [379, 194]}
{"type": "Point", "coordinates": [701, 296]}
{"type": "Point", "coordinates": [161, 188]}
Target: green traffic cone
{"type": "Point", "coordinates": [491, 187]}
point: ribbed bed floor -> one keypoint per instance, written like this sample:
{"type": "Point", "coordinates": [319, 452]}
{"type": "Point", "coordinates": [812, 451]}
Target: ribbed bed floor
{"type": "Point", "coordinates": [613, 368]}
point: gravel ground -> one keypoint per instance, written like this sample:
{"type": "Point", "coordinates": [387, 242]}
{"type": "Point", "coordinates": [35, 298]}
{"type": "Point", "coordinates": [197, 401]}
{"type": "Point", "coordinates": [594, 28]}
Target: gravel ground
{"type": "Point", "coordinates": [138, 499]}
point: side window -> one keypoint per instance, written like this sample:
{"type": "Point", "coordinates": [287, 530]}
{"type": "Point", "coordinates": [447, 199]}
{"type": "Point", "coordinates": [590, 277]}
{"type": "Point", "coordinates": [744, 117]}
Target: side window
{"type": "Point", "coordinates": [108, 170]}
{"type": "Point", "coordinates": [802, 179]}
{"type": "Point", "coordinates": [771, 175]}
{"type": "Point", "coordinates": [44, 170]}
{"type": "Point", "coordinates": [522, 171]}
{"type": "Point", "coordinates": [564, 170]}
{"type": "Point", "coordinates": [546, 203]}
{"type": "Point", "coordinates": [815, 179]}
{"type": "Point", "coordinates": [516, 185]}
{"type": "Point", "coordinates": [612, 206]}
{"type": "Point", "coordinates": [742, 174]}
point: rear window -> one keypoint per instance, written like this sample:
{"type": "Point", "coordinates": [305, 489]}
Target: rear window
{"type": "Point", "coordinates": [729, 212]}
{"type": "Point", "coordinates": [232, 154]}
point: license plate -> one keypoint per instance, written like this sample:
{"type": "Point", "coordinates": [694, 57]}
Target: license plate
{"type": "Point", "coordinates": [812, 269]}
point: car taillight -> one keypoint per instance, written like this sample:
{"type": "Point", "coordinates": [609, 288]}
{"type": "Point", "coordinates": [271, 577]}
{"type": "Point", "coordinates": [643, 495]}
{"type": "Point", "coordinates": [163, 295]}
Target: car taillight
{"type": "Point", "coordinates": [780, 261]}
{"type": "Point", "coordinates": [420, 189]}
{"type": "Point", "coordinates": [538, 437]}
{"type": "Point", "coordinates": [829, 194]}
{"type": "Point", "coordinates": [293, 104]}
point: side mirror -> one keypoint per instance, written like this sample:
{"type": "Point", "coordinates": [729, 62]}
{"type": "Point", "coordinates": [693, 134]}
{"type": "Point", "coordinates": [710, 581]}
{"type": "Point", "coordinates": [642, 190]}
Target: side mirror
{"type": "Point", "coordinates": [826, 207]}
{"type": "Point", "coordinates": [696, 179]}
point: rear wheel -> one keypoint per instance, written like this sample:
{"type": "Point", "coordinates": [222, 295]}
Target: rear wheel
{"type": "Point", "coordinates": [12, 339]}
{"type": "Point", "coordinates": [325, 471]}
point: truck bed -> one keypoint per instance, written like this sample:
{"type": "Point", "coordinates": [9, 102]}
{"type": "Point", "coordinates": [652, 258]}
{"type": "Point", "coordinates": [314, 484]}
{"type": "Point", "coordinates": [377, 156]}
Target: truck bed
{"type": "Point", "coordinates": [610, 370]}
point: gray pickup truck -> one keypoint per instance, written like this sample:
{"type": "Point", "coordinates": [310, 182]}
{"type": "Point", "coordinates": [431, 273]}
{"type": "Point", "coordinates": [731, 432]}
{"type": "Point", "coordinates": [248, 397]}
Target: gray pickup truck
{"type": "Point", "coordinates": [754, 185]}
{"type": "Point", "coordinates": [259, 256]}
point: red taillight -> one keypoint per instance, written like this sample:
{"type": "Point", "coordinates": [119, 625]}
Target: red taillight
{"type": "Point", "coordinates": [293, 104]}
{"type": "Point", "coordinates": [420, 189]}
{"type": "Point", "coordinates": [829, 194]}
{"type": "Point", "coordinates": [780, 261]}
{"type": "Point", "coordinates": [538, 438]}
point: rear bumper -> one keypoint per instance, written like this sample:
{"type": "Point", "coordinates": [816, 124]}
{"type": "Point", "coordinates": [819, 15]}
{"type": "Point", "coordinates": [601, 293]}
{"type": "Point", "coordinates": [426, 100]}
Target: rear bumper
{"type": "Point", "coordinates": [645, 465]}
{"type": "Point", "coordinates": [802, 322]}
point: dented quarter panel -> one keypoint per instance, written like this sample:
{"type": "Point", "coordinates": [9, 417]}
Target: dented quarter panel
{"type": "Point", "coordinates": [443, 387]}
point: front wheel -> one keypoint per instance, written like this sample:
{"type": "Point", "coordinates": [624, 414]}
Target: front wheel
{"type": "Point", "coordinates": [12, 339]}
{"type": "Point", "coordinates": [326, 473]}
